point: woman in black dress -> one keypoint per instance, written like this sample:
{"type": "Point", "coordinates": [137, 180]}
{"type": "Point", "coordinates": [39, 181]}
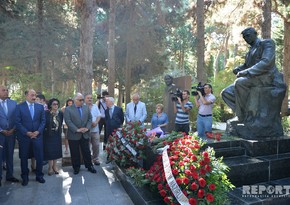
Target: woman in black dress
{"type": "Point", "coordinates": [52, 144]}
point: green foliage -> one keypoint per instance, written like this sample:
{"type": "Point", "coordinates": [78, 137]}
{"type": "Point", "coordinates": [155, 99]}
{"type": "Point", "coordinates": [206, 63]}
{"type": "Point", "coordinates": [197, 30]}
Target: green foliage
{"type": "Point", "coordinates": [138, 175]}
{"type": "Point", "coordinates": [286, 125]}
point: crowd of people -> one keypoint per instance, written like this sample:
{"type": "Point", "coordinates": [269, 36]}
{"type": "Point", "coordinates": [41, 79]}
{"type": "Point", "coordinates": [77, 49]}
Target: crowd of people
{"type": "Point", "coordinates": [38, 125]}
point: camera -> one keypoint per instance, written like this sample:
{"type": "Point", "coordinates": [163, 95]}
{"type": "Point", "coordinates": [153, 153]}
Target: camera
{"type": "Point", "coordinates": [100, 97]}
{"type": "Point", "coordinates": [199, 87]}
{"type": "Point", "coordinates": [178, 93]}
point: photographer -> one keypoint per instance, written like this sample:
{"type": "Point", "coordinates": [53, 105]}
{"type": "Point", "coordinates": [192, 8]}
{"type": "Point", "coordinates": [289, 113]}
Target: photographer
{"type": "Point", "coordinates": [204, 104]}
{"type": "Point", "coordinates": [182, 108]}
{"type": "Point", "coordinates": [101, 103]}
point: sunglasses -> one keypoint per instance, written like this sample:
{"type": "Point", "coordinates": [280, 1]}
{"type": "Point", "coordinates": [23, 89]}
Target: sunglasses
{"type": "Point", "coordinates": [80, 99]}
{"type": "Point", "coordinates": [54, 103]}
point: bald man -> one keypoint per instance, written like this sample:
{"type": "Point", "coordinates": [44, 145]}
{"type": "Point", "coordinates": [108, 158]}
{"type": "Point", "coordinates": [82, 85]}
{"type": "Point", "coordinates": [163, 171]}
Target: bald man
{"type": "Point", "coordinates": [30, 122]}
{"type": "Point", "coordinates": [136, 110]}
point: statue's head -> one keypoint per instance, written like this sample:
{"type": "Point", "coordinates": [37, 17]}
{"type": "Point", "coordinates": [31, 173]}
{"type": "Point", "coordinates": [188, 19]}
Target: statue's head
{"type": "Point", "coordinates": [250, 35]}
{"type": "Point", "coordinates": [168, 79]}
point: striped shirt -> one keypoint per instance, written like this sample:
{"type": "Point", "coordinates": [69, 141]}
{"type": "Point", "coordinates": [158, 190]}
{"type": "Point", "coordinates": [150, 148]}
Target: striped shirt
{"type": "Point", "coordinates": [181, 116]}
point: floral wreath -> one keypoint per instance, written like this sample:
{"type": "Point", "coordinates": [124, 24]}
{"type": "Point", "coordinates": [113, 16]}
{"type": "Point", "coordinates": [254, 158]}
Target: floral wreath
{"type": "Point", "coordinates": [200, 176]}
{"type": "Point", "coordinates": [127, 145]}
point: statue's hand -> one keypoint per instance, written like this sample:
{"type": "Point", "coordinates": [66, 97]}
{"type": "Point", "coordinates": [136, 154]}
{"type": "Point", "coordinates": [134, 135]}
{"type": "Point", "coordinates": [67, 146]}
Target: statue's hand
{"type": "Point", "coordinates": [242, 73]}
{"type": "Point", "coordinates": [236, 70]}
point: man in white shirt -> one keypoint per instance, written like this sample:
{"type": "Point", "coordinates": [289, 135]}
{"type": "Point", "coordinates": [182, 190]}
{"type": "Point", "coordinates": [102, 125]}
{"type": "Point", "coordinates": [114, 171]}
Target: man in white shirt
{"type": "Point", "coordinates": [95, 136]}
{"type": "Point", "coordinates": [136, 110]}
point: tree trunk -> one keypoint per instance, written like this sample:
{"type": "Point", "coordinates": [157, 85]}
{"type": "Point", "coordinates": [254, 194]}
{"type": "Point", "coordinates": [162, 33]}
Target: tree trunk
{"type": "Point", "coordinates": [286, 64]}
{"type": "Point", "coordinates": [40, 30]}
{"type": "Point", "coordinates": [129, 57]}
{"type": "Point", "coordinates": [201, 74]}
{"type": "Point", "coordinates": [87, 29]}
{"type": "Point", "coordinates": [52, 78]}
{"type": "Point", "coordinates": [111, 49]}
{"type": "Point", "coordinates": [266, 24]}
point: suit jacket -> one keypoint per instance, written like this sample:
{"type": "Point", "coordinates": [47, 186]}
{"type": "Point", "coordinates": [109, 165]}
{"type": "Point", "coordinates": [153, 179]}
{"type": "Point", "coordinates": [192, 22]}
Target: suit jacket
{"type": "Point", "coordinates": [8, 122]}
{"type": "Point", "coordinates": [74, 121]}
{"type": "Point", "coordinates": [260, 63]}
{"type": "Point", "coordinates": [24, 122]}
{"type": "Point", "coordinates": [116, 121]}
{"type": "Point", "coordinates": [141, 113]}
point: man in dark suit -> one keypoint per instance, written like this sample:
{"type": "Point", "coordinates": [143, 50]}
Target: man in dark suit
{"type": "Point", "coordinates": [78, 119]}
{"type": "Point", "coordinates": [30, 122]}
{"type": "Point", "coordinates": [7, 137]}
{"type": "Point", "coordinates": [114, 116]}
{"type": "Point", "coordinates": [259, 69]}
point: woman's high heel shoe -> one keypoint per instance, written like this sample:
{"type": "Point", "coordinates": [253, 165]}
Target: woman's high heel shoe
{"type": "Point", "coordinates": [55, 172]}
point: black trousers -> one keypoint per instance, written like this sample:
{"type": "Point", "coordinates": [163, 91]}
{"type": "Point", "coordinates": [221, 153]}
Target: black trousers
{"type": "Point", "coordinates": [102, 123]}
{"type": "Point", "coordinates": [182, 128]}
{"type": "Point", "coordinates": [75, 147]}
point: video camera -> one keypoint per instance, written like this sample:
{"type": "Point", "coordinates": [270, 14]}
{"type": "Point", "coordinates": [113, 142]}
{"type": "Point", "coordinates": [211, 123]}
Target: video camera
{"type": "Point", "coordinates": [100, 97]}
{"type": "Point", "coordinates": [178, 93]}
{"type": "Point", "coordinates": [199, 87]}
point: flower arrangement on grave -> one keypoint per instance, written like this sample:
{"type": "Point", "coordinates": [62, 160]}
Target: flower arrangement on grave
{"type": "Point", "coordinates": [184, 174]}
{"type": "Point", "coordinates": [214, 136]}
{"type": "Point", "coordinates": [127, 145]}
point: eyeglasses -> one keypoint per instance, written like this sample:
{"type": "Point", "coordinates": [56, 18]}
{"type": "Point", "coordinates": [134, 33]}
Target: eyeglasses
{"type": "Point", "coordinates": [54, 103]}
{"type": "Point", "coordinates": [80, 99]}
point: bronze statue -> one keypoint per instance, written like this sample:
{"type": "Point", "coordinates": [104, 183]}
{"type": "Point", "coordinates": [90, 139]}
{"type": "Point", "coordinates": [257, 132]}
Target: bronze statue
{"type": "Point", "coordinates": [167, 102]}
{"type": "Point", "coordinates": [258, 74]}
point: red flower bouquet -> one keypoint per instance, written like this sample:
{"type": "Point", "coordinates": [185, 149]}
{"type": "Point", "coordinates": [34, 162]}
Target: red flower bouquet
{"type": "Point", "coordinates": [190, 174]}
{"type": "Point", "coordinates": [127, 145]}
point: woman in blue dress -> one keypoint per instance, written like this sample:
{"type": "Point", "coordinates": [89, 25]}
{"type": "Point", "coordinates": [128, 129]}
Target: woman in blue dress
{"type": "Point", "coordinates": [159, 119]}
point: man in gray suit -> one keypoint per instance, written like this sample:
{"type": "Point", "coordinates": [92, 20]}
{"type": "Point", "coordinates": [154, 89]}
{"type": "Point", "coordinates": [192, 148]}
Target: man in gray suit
{"type": "Point", "coordinates": [79, 119]}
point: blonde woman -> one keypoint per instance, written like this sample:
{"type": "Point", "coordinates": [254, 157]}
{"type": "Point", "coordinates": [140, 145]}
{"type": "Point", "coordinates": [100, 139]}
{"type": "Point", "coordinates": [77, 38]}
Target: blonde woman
{"type": "Point", "coordinates": [159, 119]}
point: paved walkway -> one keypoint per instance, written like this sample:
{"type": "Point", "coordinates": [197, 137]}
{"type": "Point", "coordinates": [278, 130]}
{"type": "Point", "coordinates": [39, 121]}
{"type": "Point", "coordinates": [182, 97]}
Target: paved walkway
{"type": "Point", "coordinates": [66, 188]}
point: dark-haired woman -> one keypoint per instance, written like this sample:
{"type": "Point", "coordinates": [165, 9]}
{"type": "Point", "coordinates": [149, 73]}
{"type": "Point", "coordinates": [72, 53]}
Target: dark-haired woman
{"type": "Point", "coordinates": [69, 102]}
{"type": "Point", "coordinates": [52, 145]}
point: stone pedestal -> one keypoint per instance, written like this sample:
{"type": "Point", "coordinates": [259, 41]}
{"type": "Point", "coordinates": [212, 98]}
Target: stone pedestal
{"type": "Point", "coordinates": [261, 115]}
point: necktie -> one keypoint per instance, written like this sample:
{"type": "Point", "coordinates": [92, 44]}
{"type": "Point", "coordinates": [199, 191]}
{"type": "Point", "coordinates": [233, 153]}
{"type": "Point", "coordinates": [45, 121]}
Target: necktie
{"type": "Point", "coordinates": [31, 110]}
{"type": "Point", "coordinates": [4, 108]}
{"type": "Point", "coordinates": [135, 108]}
{"type": "Point", "coordinates": [80, 111]}
{"type": "Point", "coordinates": [110, 113]}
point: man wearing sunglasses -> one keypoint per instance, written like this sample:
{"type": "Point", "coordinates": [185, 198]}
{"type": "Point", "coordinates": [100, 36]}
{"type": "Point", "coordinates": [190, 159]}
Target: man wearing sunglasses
{"type": "Point", "coordinates": [79, 120]}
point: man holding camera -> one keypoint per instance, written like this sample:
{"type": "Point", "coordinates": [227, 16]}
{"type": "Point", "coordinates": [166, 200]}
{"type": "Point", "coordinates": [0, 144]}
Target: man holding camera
{"type": "Point", "coordinates": [182, 108]}
{"type": "Point", "coordinates": [205, 105]}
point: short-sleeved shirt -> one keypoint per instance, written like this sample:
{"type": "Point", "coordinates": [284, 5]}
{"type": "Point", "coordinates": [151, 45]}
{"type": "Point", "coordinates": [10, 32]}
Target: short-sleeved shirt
{"type": "Point", "coordinates": [155, 121]}
{"type": "Point", "coordinates": [181, 116]}
{"type": "Point", "coordinates": [206, 109]}
{"type": "Point", "coordinates": [95, 114]}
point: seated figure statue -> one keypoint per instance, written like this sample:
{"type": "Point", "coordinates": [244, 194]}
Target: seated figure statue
{"type": "Point", "coordinates": [256, 95]}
